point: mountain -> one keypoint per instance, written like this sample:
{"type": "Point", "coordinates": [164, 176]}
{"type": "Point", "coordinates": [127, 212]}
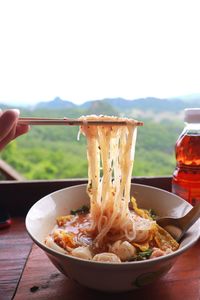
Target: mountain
{"type": "Point", "coordinates": [4, 106]}
{"type": "Point", "coordinates": [118, 103]}
{"type": "Point", "coordinates": [143, 107]}
{"type": "Point", "coordinates": [189, 98]}
{"type": "Point", "coordinates": [157, 105]}
{"type": "Point", "coordinates": [57, 103]}
{"type": "Point", "coordinates": [99, 107]}
{"type": "Point", "coordinates": [152, 104]}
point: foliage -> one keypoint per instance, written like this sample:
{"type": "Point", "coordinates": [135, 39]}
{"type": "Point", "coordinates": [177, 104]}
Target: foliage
{"type": "Point", "coordinates": [53, 152]}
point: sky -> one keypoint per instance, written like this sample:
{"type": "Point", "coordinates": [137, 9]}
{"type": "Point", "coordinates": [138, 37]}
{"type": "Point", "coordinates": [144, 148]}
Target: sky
{"type": "Point", "coordinates": [83, 50]}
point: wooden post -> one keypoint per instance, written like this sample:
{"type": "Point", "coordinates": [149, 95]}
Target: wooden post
{"type": "Point", "coordinates": [9, 172]}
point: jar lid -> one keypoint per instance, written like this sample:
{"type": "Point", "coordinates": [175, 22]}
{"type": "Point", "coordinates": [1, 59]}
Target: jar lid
{"type": "Point", "coordinates": [192, 115]}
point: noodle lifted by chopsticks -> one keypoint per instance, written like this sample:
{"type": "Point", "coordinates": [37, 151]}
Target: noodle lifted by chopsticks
{"type": "Point", "coordinates": [110, 150]}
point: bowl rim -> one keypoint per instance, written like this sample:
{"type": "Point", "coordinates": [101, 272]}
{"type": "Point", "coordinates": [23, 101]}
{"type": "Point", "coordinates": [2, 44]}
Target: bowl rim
{"type": "Point", "coordinates": [114, 264]}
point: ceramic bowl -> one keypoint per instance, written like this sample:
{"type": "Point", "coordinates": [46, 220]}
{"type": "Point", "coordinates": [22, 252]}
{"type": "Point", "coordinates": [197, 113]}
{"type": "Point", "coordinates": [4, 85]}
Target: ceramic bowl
{"type": "Point", "coordinates": [110, 277]}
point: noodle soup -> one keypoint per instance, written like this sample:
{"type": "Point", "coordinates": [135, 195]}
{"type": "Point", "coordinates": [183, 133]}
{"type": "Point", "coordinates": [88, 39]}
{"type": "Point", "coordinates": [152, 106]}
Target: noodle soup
{"type": "Point", "coordinates": [72, 235]}
{"type": "Point", "coordinates": [113, 228]}
{"type": "Point", "coordinates": [107, 276]}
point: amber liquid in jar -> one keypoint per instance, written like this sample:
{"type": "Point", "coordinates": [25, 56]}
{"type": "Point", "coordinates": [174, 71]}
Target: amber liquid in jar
{"type": "Point", "coordinates": [186, 177]}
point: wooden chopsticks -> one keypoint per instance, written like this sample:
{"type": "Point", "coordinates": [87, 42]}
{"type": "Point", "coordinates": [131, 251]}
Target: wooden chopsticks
{"type": "Point", "coordinates": [74, 122]}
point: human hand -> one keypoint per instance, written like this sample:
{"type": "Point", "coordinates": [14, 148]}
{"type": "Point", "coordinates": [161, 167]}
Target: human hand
{"type": "Point", "coordinates": [9, 129]}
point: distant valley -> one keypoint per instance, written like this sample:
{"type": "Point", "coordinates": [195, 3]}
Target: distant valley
{"type": "Point", "coordinates": [54, 152]}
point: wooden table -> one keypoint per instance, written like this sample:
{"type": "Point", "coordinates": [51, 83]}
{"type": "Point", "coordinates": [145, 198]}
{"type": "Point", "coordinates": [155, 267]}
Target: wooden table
{"type": "Point", "coordinates": [26, 273]}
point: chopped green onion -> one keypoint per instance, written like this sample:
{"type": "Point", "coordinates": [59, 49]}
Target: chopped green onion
{"type": "Point", "coordinates": [82, 210]}
{"type": "Point", "coordinates": [142, 255]}
{"type": "Point", "coordinates": [152, 214]}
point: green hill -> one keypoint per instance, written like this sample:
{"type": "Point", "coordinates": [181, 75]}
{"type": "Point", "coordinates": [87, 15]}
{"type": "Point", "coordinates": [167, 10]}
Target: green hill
{"type": "Point", "coordinates": [50, 152]}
